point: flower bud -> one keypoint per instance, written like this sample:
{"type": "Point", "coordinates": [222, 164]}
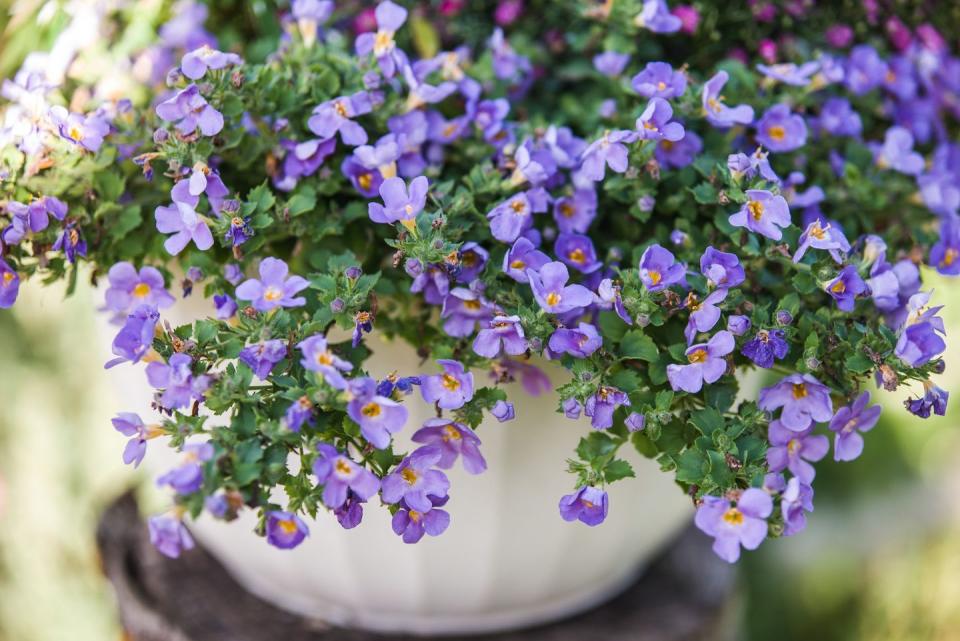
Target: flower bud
{"type": "Point", "coordinates": [353, 272]}
{"type": "Point", "coordinates": [413, 267]}
{"type": "Point", "coordinates": [738, 325]}
{"type": "Point", "coordinates": [160, 136]}
{"type": "Point", "coordinates": [784, 317]}
{"type": "Point", "coordinates": [337, 305]}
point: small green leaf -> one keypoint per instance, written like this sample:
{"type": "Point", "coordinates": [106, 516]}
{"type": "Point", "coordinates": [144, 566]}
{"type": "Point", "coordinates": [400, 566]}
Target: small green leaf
{"type": "Point", "coordinates": [637, 345]}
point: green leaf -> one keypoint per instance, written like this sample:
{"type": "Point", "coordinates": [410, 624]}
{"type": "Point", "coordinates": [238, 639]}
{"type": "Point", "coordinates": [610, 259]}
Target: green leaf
{"type": "Point", "coordinates": [692, 466]}
{"type": "Point", "coordinates": [617, 469]}
{"type": "Point", "coordinates": [858, 363]}
{"type": "Point", "coordinates": [707, 420]}
{"type": "Point", "coordinates": [637, 345]}
{"type": "Point", "coordinates": [643, 444]}
{"type": "Point", "coordinates": [705, 194]}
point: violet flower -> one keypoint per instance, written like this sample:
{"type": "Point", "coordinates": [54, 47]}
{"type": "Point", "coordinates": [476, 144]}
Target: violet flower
{"type": "Point", "coordinates": [412, 524]}
{"type": "Point", "coordinates": [601, 406]}
{"type": "Point", "coordinates": [512, 217]}
{"type": "Point", "coordinates": [503, 411]}
{"type": "Point", "coordinates": [934, 398]}
{"type": "Point", "coordinates": [129, 288]}
{"type": "Point", "coordinates": [576, 251]}
{"type": "Point", "coordinates": [588, 505]}
{"type": "Point", "coordinates": [180, 387]}
{"type": "Point", "coordinates": [706, 364]}
{"type": "Point", "coordinates": [732, 527]}
{"type": "Point", "coordinates": [659, 80]}
{"type": "Point", "coordinates": [450, 390]}
{"type": "Point", "coordinates": [845, 288]}
{"type": "Point", "coordinates": [131, 425]}
{"type": "Point", "coordinates": [414, 481]}
{"type": "Point", "coordinates": [779, 130]}
{"type": "Point", "coordinates": [795, 450]}
{"type": "Point", "coordinates": [552, 293]}
{"type": "Point", "coordinates": [791, 74]}
{"type": "Point", "coordinates": [659, 269]}
{"type": "Point", "coordinates": [897, 152]}
{"type": "Point", "coordinates": [718, 114]}
{"type": "Point", "coordinates": [399, 204]}
{"type": "Point", "coordinates": [182, 220]}
{"type": "Point", "coordinates": [473, 258]}
{"type": "Point", "coordinates": [378, 417]}
{"type": "Point", "coordinates": [635, 421]}
{"type": "Point", "coordinates": [71, 242]}
{"type": "Point", "coordinates": [704, 314]}
{"type": "Point", "coordinates": [766, 346]}
{"type": "Point", "coordinates": [579, 343]}
{"type": "Point", "coordinates": [187, 477]}
{"type": "Point", "coordinates": [818, 236]}
{"type": "Point", "coordinates": [87, 132]}
{"type": "Point", "coordinates": [611, 63]}
{"type": "Point", "coordinates": [262, 356]}
{"type": "Point", "coordinates": [521, 257]}
{"type": "Point", "coordinates": [135, 338]}
{"type": "Point", "coordinates": [273, 289]}
{"type": "Point", "coordinates": [169, 536]}
{"type": "Point", "coordinates": [189, 110]}
{"type": "Point", "coordinates": [502, 333]}
{"type": "Point", "coordinates": [196, 63]}
{"type": "Point", "coordinates": [573, 214]}
{"type": "Point", "coordinates": [285, 530]}
{"type": "Point", "coordinates": [738, 325]}
{"type": "Point", "coordinates": [609, 150]}
{"type": "Point", "coordinates": [390, 17]}
{"type": "Point", "coordinates": [920, 343]}
{"type": "Point", "coordinates": [656, 17]}
{"type": "Point", "coordinates": [721, 269]}
{"type": "Point", "coordinates": [764, 213]}
{"type": "Point", "coordinates": [453, 439]}
{"type": "Point", "coordinates": [337, 115]}
{"type": "Point", "coordinates": [803, 398]}
{"type": "Point", "coordinates": [797, 498]}
{"type": "Point", "coordinates": [338, 475]}
{"type": "Point", "coordinates": [655, 122]}
{"type": "Point", "coordinates": [610, 298]}
{"type": "Point", "coordinates": [677, 155]}
{"type": "Point", "coordinates": [848, 423]}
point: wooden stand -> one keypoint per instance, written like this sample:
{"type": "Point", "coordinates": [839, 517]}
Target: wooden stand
{"type": "Point", "coordinates": [685, 595]}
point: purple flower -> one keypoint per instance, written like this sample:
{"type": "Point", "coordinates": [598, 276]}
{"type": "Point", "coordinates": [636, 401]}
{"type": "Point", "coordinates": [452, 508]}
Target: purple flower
{"type": "Point", "coordinates": [865, 70]}
{"type": "Point", "coordinates": [317, 357]}
{"type": "Point", "coordinates": [611, 63]}
{"type": "Point", "coordinates": [196, 63]}
{"type": "Point", "coordinates": [579, 343]}
{"type": "Point", "coordinates": [338, 474]}
{"type": "Point", "coordinates": [846, 287]}
{"type": "Point", "coordinates": [656, 17]}
{"type": "Point", "coordinates": [803, 398]}
{"type": "Point", "coordinates": [766, 346]}
{"type": "Point", "coordinates": [818, 236]}
{"type": "Point", "coordinates": [412, 524]}
{"type": "Point", "coordinates": [763, 213]}
{"type": "Point", "coordinates": [552, 293]}
{"type": "Point", "coordinates": [337, 115]}
{"type": "Point", "coordinates": [187, 478]}
{"type": "Point", "coordinates": [897, 152]}
{"type": "Point", "coordinates": [176, 378]}
{"type": "Point", "coordinates": [744, 525]}
{"type": "Point", "coordinates": [473, 258]}
{"type": "Point", "coordinates": [512, 217]}
{"type": "Point", "coordinates": [721, 269]}
{"type": "Point", "coordinates": [128, 288]}
{"type": "Point", "coordinates": [847, 424]}
{"type": "Point", "coordinates": [450, 390]}
{"type": "Point", "coordinates": [933, 398]}
{"type": "Point", "coordinates": [298, 413]}
{"type": "Point", "coordinates": [779, 130]}
{"type": "Point", "coordinates": [169, 535]}
{"type": "Point", "coordinates": [742, 165]}
{"type": "Point", "coordinates": [87, 132]}
{"type": "Point", "coordinates": [920, 343]}
{"type": "Point", "coordinates": [309, 14]}
{"type": "Point", "coordinates": [130, 424]}
{"type": "Point", "coordinates": [189, 110]}
{"type": "Point", "coordinates": [414, 482]}
{"type": "Point", "coordinates": [703, 314]}
{"type": "Point", "coordinates": [609, 297]}
{"type": "Point", "coordinates": [285, 530]}
{"type": "Point", "coordinates": [521, 257]}
{"type": "Point", "coordinates": [377, 416]}
{"type": "Point", "coordinates": [9, 285]}
{"type": "Point", "coordinates": [453, 439]}
{"type": "Point", "coordinates": [366, 180]}
{"type": "Point", "coordinates": [789, 73]}
{"type": "Point", "coordinates": [34, 217]}
{"type": "Point", "coordinates": [659, 269]}
{"type": "Point", "coordinates": [576, 250]}
{"type": "Point", "coordinates": [399, 204]}
{"type": "Point", "coordinates": [601, 406]}
{"type": "Point", "coordinates": [462, 310]}
{"type": "Point", "coordinates": [262, 356]}
{"type": "Point", "coordinates": [573, 214]}
{"type": "Point", "coordinates": [503, 411]}
{"type": "Point", "coordinates": [572, 408]}
{"type": "Point", "coordinates": [796, 499]}
{"type": "Point", "coordinates": [706, 364]}
{"type": "Point", "coordinates": [182, 220]}
{"type": "Point", "coordinates": [434, 283]}
{"type": "Point", "coordinates": [502, 333]}
{"type": "Point", "coordinates": [588, 505]}
{"type": "Point", "coordinates": [838, 118]}
{"type": "Point", "coordinates": [225, 305]}
{"type": "Point", "coordinates": [678, 154]}
{"type": "Point", "coordinates": [610, 150]}
{"type": "Point", "coordinates": [718, 114]}
{"type": "Point", "coordinates": [273, 289]}
{"type": "Point", "coordinates": [71, 242]}
{"type": "Point", "coordinates": [135, 338]}
{"type": "Point", "coordinates": [792, 450]}
{"type": "Point", "coordinates": [738, 325]}
{"type": "Point", "coordinates": [635, 422]}
{"type": "Point", "coordinates": [945, 252]}
{"type": "Point", "coordinates": [655, 122]}
{"type": "Point", "coordinates": [659, 80]}
{"type": "Point", "coordinates": [390, 17]}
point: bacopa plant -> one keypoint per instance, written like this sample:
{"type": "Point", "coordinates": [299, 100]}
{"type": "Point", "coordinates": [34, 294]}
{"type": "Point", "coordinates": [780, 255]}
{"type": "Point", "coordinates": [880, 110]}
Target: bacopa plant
{"type": "Point", "coordinates": [657, 224]}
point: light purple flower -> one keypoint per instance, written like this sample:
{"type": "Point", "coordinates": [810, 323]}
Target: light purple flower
{"type": "Point", "coordinates": [182, 220]}
{"type": "Point", "coordinates": [377, 416]}
{"type": "Point", "coordinates": [845, 288]}
{"type": "Point", "coordinates": [87, 131]}
{"type": "Point", "coordinates": [588, 505]}
{"type": "Point", "coordinates": [180, 387]}
{"type": "Point", "coordinates": [659, 80]}
{"type": "Point", "coordinates": [9, 285]}
{"type": "Point", "coordinates": [704, 314]}
{"type": "Point", "coordinates": [521, 257]}
{"type": "Point", "coordinates": [196, 63]}
{"type": "Point", "coordinates": [390, 17]}
{"type": "Point", "coordinates": [473, 258]}
{"type": "Point", "coordinates": [449, 390]}
{"type": "Point", "coordinates": [130, 424]}
{"type": "Point", "coordinates": [309, 14]}
{"type": "Point", "coordinates": [819, 236]}
{"type": "Point", "coordinates": [744, 525]}
{"type": "Point", "coordinates": [659, 269]}
{"type": "Point", "coordinates": [503, 411]}
{"type": "Point", "coordinates": [187, 477]}
{"type": "Point", "coordinates": [552, 293]}
{"type": "Point", "coordinates": [797, 498]}
{"type": "Point", "coordinates": [847, 424]}
{"type": "Point", "coordinates": [502, 333]}
{"type": "Point", "coordinates": [412, 524]}
{"type": "Point", "coordinates": [337, 115]}
{"type": "Point", "coordinates": [764, 213]}
{"type": "Point", "coordinates": [262, 356]}
{"type": "Point", "coordinates": [865, 70]}
{"type": "Point", "coordinates": [273, 289]}
{"type": "Point", "coordinates": [791, 74]}
{"type": "Point", "coordinates": [839, 118]}
{"type": "Point", "coordinates": [169, 535]}
{"type": "Point", "coordinates": [512, 217]}
{"type": "Point", "coordinates": [792, 450]}
{"type": "Point", "coordinates": [721, 269]}
{"type": "Point", "coordinates": [609, 297]}
{"type": "Point", "coordinates": [579, 342]}
{"type": "Point", "coordinates": [897, 152]}
{"type": "Point", "coordinates": [779, 130]}
{"type": "Point", "coordinates": [285, 530]}
{"type": "Point", "coordinates": [656, 17]}
{"type": "Point", "coordinates": [128, 288]}
{"type": "Point", "coordinates": [635, 421]}
{"type": "Point", "coordinates": [718, 114]}
{"type": "Point", "coordinates": [609, 150]}
{"type": "Point", "coordinates": [601, 406]}
{"type": "Point", "coordinates": [189, 110]}
{"type": "Point", "coordinates": [576, 251]}
{"type": "Point", "coordinates": [338, 475]}
{"type": "Point", "coordinates": [803, 398]}
{"type": "Point", "coordinates": [738, 325]}
{"type": "Point", "coordinates": [655, 122]}
{"type": "Point", "coordinates": [573, 214]}
{"type": "Point", "coordinates": [463, 309]}
{"type": "Point", "coordinates": [920, 343]}
{"type": "Point", "coordinates": [677, 155]}
{"type": "Point", "coordinates": [399, 204]}
{"type": "Point", "coordinates": [706, 364]}
{"type": "Point", "coordinates": [453, 439]}
{"type": "Point", "coordinates": [135, 338]}
{"type": "Point", "coordinates": [611, 63]}
{"type": "Point", "coordinates": [414, 481]}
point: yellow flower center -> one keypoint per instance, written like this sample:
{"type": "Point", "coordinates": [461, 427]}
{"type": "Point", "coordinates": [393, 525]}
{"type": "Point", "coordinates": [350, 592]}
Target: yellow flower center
{"type": "Point", "coordinates": [371, 410]}
{"type": "Point", "coordinates": [342, 467]}
{"type": "Point", "coordinates": [697, 356]}
{"type": "Point", "coordinates": [340, 108]}
{"type": "Point", "coordinates": [287, 526]}
{"type": "Point", "coordinates": [949, 257]}
{"type": "Point", "coordinates": [76, 133]}
{"type": "Point", "coordinates": [577, 256]}
{"type": "Point", "coordinates": [799, 391]}
{"type": "Point", "coordinates": [666, 145]}
{"type": "Point", "coordinates": [273, 294]}
{"type": "Point", "coordinates": [518, 207]}
{"type": "Point", "coordinates": [141, 290]}
{"type": "Point", "coordinates": [8, 277]}
{"type": "Point", "coordinates": [365, 180]}
{"type": "Point", "coordinates": [838, 287]}
{"type": "Point", "coordinates": [236, 221]}
{"type": "Point", "coordinates": [793, 445]}
{"type": "Point", "coordinates": [383, 42]}
{"type": "Point", "coordinates": [776, 132]}
{"type": "Point", "coordinates": [414, 516]}
{"type": "Point", "coordinates": [553, 299]}
{"type": "Point", "coordinates": [472, 305]}
{"type": "Point", "coordinates": [409, 475]}
{"type": "Point", "coordinates": [755, 207]}
{"type": "Point", "coordinates": [450, 433]}
{"type": "Point", "coordinates": [567, 210]}
{"type": "Point", "coordinates": [655, 276]}
{"type": "Point", "coordinates": [450, 383]}
{"type": "Point", "coordinates": [715, 104]}
{"type": "Point", "coordinates": [733, 516]}
{"type": "Point", "coordinates": [325, 358]}
{"type": "Point", "coordinates": [517, 264]}
{"type": "Point", "coordinates": [818, 232]}
{"type": "Point", "coordinates": [661, 85]}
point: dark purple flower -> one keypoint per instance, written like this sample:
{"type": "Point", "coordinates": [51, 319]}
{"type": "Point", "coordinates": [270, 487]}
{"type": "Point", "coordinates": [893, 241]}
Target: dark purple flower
{"type": "Point", "coordinates": [378, 416]}
{"type": "Point", "coordinates": [285, 530]}
{"type": "Point", "coordinates": [180, 387]}
{"type": "Point", "coordinates": [848, 422]}
{"type": "Point", "coordinates": [169, 535]}
{"type": "Point", "coordinates": [502, 333]}
{"type": "Point", "coordinates": [414, 481]}
{"type": "Point", "coordinates": [659, 80]}
{"type": "Point", "coordinates": [659, 269]}
{"type": "Point", "coordinates": [453, 439]}
{"type": "Point", "coordinates": [576, 250]}
{"type": "Point", "coordinates": [196, 63]}
{"type": "Point", "coordinates": [588, 505]}
{"type": "Point", "coordinates": [337, 115]}
{"type": "Point", "coordinates": [718, 114]}
{"type": "Point", "coordinates": [721, 269]}
{"type": "Point", "coordinates": [187, 477]}
{"type": "Point", "coordinates": [273, 289]}
{"type": "Point", "coordinates": [262, 356]}
{"type": "Point", "coordinates": [766, 346]}
{"type": "Point", "coordinates": [601, 406]}
{"type": "Point", "coordinates": [731, 527]}
{"type": "Point", "coordinates": [579, 342]}
{"type": "Point", "coordinates": [678, 154]}
{"type": "Point", "coordinates": [449, 390]}
{"type": "Point", "coordinates": [552, 293]}
{"type": "Point", "coordinates": [803, 398]}
{"type": "Point", "coordinates": [655, 122]}
{"type": "Point", "coordinates": [764, 213]}
{"type": "Point", "coordinates": [521, 257]}
{"type": "Point", "coordinates": [846, 287]}
{"type": "Point", "coordinates": [792, 450]}
{"type": "Point", "coordinates": [338, 475]}
{"type": "Point", "coordinates": [9, 285]}
{"type": "Point", "coordinates": [779, 130]}
{"type": "Point", "coordinates": [189, 110]}
{"type": "Point", "coordinates": [933, 398]}
{"type": "Point", "coordinates": [706, 364]}
{"type": "Point", "coordinates": [135, 338]}
{"type": "Point", "coordinates": [412, 524]}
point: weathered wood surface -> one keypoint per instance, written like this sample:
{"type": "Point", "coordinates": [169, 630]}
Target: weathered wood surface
{"type": "Point", "coordinates": [685, 595]}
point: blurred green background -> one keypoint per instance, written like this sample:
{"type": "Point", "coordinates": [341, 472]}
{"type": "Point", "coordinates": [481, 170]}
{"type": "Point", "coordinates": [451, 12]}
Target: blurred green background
{"type": "Point", "coordinates": [879, 561]}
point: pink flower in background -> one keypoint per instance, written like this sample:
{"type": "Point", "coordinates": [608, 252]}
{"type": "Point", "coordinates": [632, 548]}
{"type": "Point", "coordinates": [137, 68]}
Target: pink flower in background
{"type": "Point", "coordinates": [689, 17]}
{"type": "Point", "coordinates": [507, 12]}
{"type": "Point", "coordinates": [840, 36]}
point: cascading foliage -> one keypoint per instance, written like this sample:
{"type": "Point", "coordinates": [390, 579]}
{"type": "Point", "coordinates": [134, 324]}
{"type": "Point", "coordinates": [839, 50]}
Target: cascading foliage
{"type": "Point", "coordinates": [657, 224]}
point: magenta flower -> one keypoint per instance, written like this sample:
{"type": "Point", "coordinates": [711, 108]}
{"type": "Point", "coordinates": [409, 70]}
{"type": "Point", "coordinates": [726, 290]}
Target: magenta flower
{"type": "Point", "coordinates": [803, 398]}
{"type": "Point", "coordinates": [189, 110]}
{"type": "Point", "coordinates": [764, 213]}
{"type": "Point", "coordinates": [779, 130]}
{"type": "Point", "coordinates": [273, 289]}
{"type": "Point", "coordinates": [588, 505]}
{"type": "Point", "coordinates": [718, 114]}
{"type": "Point", "coordinates": [338, 475]}
{"type": "Point", "coordinates": [732, 527]}
{"type": "Point", "coordinates": [706, 364]}
{"type": "Point", "coordinates": [196, 63]}
{"type": "Point", "coordinates": [449, 390]}
{"type": "Point", "coordinates": [552, 293]}
{"type": "Point", "coordinates": [659, 269]}
{"type": "Point", "coordinates": [659, 80]}
{"type": "Point", "coordinates": [792, 450]}
{"type": "Point", "coordinates": [848, 423]}
{"type": "Point", "coordinates": [453, 439]}
{"type": "Point", "coordinates": [285, 530]}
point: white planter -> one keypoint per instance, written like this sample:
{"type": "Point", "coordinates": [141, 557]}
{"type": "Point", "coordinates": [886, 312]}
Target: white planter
{"type": "Point", "coordinates": [508, 560]}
